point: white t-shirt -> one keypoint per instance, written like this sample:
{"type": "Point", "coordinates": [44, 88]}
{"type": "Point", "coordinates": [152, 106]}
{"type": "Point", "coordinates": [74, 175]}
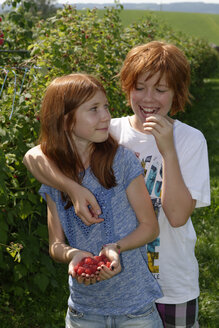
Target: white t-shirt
{"type": "Point", "coordinates": [171, 257]}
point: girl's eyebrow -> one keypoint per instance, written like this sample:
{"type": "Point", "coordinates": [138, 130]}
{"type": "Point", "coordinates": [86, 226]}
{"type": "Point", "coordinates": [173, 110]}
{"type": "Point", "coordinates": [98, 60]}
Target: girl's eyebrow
{"type": "Point", "coordinates": [97, 103]}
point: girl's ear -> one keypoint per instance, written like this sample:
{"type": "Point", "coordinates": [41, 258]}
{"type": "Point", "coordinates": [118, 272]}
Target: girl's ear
{"type": "Point", "coordinates": [65, 122]}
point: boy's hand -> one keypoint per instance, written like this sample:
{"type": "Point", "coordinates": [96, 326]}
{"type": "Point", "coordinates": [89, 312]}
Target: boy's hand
{"type": "Point", "coordinates": [162, 129]}
{"type": "Point", "coordinates": [85, 205]}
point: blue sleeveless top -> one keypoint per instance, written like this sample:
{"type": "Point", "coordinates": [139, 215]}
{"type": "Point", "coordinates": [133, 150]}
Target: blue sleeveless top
{"type": "Point", "coordinates": [134, 286]}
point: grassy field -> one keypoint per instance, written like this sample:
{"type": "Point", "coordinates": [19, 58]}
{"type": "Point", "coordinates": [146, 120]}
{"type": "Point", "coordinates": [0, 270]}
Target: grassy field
{"type": "Point", "coordinates": [205, 26]}
{"type": "Point", "coordinates": [204, 115]}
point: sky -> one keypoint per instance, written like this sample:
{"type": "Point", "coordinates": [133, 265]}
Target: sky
{"type": "Point", "coordinates": [131, 1]}
{"type": "Point", "coordinates": [135, 1]}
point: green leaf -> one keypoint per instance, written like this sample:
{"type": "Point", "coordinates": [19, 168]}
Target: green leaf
{"type": "Point", "coordinates": [41, 281]}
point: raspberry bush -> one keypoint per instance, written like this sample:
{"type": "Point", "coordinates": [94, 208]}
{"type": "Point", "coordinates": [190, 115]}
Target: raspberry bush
{"type": "Point", "coordinates": [68, 42]}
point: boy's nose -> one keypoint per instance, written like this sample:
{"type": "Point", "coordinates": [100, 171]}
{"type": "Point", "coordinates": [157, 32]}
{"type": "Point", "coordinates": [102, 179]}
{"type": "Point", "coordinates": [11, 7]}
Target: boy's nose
{"type": "Point", "coordinates": [148, 94]}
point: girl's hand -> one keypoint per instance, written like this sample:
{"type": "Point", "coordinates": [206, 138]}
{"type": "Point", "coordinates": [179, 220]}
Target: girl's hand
{"type": "Point", "coordinates": [111, 252]}
{"type": "Point", "coordinates": [162, 129]}
{"type": "Point", "coordinates": [84, 278]}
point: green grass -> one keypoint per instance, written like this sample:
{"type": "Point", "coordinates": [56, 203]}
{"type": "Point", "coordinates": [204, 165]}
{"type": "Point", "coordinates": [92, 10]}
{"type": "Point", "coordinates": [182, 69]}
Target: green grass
{"type": "Point", "coordinates": [204, 115]}
{"type": "Point", "coordinates": [205, 26]}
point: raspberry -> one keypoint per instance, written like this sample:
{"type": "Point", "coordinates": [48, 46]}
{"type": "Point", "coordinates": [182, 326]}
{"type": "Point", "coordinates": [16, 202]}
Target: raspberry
{"type": "Point", "coordinates": [104, 258]}
{"type": "Point", "coordinates": [88, 271]}
{"type": "Point", "coordinates": [97, 258]}
{"type": "Point", "coordinates": [89, 261]}
{"type": "Point", "coordinates": [80, 270]}
{"type": "Point", "coordinates": [93, 268]}
{"type": "Point", "coordinates": [76, 268]}
{"type": "Point", "coordinates": [89, 265]}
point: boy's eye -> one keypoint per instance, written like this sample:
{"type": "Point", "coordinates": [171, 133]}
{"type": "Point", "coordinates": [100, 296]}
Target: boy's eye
{"type": "Point", "coordinates": [139, 88]}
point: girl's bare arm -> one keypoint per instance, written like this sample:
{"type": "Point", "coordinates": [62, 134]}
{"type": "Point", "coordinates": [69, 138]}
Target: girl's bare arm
{"type": "Point", "coordinates": [148, 228]}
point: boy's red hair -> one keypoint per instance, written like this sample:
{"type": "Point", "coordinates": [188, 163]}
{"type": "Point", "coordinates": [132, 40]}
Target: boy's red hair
{"type": "Point", "coordinates": [160, 57]}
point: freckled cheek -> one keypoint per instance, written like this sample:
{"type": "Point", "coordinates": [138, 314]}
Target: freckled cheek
{"type": "Point", "coordinates": [134, 98]}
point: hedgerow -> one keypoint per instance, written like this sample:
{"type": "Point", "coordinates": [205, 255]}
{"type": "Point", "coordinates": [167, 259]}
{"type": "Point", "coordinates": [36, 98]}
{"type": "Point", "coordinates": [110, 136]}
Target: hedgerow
{"type": "Point", "coordinates": [71, 41]}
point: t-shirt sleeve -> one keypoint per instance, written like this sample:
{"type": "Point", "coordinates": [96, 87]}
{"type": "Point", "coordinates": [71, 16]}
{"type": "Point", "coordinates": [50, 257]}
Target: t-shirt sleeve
{"type": "Point", "coordinates": [195, 170]}
{"type": "Point", "coordinates": [53, 193]}
{"type": "Point", "coordinates": [129, 166]}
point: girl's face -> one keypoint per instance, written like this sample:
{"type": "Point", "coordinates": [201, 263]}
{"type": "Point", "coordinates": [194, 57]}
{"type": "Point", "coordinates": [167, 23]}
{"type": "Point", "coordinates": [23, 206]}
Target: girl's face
{"type": "Point", "coordinates": [92, 120]}
{"type": "Point", "coordinates": [149, 98]}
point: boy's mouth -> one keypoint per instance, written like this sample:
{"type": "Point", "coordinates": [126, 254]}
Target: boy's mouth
{"type": "Point", "coordinates": [148, 110]}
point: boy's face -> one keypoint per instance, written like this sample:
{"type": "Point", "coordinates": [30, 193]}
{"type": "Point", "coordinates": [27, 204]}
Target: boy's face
{"type": "Point", "coordinates": [149, 98]}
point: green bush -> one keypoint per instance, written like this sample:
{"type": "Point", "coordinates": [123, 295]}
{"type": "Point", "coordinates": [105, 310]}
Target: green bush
{"type": "Point", "coordinates": [69, 42]}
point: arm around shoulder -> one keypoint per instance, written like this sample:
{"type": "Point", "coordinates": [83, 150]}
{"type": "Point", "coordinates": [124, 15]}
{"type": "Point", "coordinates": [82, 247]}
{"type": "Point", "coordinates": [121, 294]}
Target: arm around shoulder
{"type": "Point", "coordinates": [45, 171]}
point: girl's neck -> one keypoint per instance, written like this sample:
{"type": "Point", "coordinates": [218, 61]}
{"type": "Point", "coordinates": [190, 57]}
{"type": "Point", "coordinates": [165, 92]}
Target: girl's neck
{"type": "Point", "coordinates": [83, 149]}
{"type": "Point", "coordinates": [84, 153]}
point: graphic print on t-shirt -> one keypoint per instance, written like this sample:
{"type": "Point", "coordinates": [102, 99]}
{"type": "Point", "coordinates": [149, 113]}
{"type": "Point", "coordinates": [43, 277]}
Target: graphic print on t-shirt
{"type": "Point", "coordinates": [153, 179]}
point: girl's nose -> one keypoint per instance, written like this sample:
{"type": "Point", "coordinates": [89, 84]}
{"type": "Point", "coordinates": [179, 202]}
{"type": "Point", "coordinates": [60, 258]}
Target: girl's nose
{"type": "Point", "coordinates": [105, 115]}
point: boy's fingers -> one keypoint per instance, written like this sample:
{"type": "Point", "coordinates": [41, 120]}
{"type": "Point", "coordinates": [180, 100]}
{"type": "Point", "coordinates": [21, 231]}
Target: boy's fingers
{"type": "Point", "coordinates": [94, 207]}
{"type": "Point", "coordinates": [87, 217]}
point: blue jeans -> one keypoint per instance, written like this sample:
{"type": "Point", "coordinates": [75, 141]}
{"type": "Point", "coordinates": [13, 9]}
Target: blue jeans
{"type": "Point", "coordinates": [147, 317]}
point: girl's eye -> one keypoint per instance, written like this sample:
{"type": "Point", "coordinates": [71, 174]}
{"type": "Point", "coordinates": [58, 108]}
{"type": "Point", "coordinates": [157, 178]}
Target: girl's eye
{"type": "Point", "coordinates": [93, 109]}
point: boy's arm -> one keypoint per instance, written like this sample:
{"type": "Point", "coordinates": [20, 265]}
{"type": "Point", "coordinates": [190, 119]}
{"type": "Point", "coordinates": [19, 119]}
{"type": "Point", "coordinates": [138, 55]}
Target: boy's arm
{"type": "Point", "coordinates": [148, 228]}
{"type": "Point", "coordinates": [176, 199]}
{"type": "Point", "coordinates": [45, 171]}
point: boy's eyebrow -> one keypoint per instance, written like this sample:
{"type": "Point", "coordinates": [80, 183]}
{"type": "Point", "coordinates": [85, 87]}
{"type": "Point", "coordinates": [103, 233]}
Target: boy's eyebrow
{"type": "Point", "coordinates": [162, 85]}
{"type": "Point", "coordinates": [157, 84]}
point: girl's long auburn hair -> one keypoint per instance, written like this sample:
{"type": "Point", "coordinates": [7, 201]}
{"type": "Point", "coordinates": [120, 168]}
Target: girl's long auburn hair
{"type": "Point", "coordinates": [63, 96]}
{"type": "Point", "coordinates": [154, 57]}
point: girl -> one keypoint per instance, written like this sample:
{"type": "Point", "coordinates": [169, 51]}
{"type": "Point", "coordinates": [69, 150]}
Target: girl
{"type": "Point", "coordinates": [75, 135]}
{"type": "Point", "coordinates": [155, 78]}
